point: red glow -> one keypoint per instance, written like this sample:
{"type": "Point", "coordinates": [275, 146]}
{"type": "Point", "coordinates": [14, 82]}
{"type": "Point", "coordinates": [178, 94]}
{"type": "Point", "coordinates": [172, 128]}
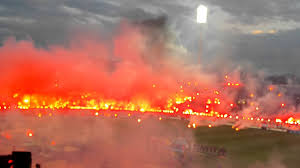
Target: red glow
{"type": "Point", "coordinates": [29, 133]}
{"type": "Point", "coordinates": [53, 143]}
{"type": "Point", "coordinates": [60, 79]}
{"type": "Point", "coordinates": [10, 161]}
{"type": "Point", "coordinates": [6, 135]}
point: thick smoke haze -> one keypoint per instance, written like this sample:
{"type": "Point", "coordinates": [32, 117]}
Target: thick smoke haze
{"type": "Point", "coordinates": [137, 64]}
{"type": "Point", "coordinates": [126, 68]}
{"type": "Point", "coordinates": [85, 65]}
{"type": "Point", "coordinates": [66, 141]}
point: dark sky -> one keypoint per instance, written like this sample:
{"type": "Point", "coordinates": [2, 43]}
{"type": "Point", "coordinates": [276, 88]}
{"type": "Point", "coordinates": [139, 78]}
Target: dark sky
{"type": "Point", "coordinates": [265, 33]}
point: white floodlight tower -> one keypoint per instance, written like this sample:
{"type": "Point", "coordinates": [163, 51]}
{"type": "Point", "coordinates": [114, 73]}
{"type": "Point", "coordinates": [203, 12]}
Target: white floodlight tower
{"type": "Point", "coordinates": [201, 19]}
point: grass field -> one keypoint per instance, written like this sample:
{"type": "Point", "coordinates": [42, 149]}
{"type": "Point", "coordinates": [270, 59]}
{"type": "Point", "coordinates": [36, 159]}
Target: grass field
{"type": "Point", "coordinates": [249, 146]}
{"type": "Point", "coordinates": [246, 148]}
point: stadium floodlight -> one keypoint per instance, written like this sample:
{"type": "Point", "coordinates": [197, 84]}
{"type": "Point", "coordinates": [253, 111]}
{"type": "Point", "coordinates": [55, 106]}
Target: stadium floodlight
{"type": "Point", "coordinates": [201, 19]}
{"type": "Point", "coordinates": [202, 14]}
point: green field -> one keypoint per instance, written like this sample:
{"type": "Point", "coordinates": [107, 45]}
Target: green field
{"type": "Point", "coordinates": [252, 148]}
{"type": "Point", "coordinates": [247, 147]}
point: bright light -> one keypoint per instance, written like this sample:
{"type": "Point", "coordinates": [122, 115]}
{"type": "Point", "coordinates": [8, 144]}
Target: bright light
{"type": "Point", "coordinates": [29, 133]}
{"type": "Point", "coordinates": [202, 14]}
{"type": "Point", "coordinates": [26, 99]}
{"type": "Point", "coordinates": [290, 120]}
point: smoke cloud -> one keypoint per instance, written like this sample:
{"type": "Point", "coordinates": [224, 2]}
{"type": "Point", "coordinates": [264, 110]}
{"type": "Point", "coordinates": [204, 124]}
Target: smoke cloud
{"type": "Point", "coordinates": [138, 65]}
